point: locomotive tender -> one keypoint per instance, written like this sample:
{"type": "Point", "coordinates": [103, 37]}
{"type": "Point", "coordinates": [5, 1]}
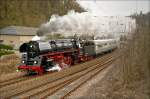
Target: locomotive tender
{"type": "Point", "coordinates": [42, 56]}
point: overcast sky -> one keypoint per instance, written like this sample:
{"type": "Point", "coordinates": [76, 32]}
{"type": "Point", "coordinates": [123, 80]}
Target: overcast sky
{"type": "Point", "coordinates": [115, 7]}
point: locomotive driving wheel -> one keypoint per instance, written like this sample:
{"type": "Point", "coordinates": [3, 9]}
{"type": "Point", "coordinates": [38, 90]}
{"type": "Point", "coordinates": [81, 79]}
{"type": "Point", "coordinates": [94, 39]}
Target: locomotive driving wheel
{"type": "Point", "coordinates": [65, 62]}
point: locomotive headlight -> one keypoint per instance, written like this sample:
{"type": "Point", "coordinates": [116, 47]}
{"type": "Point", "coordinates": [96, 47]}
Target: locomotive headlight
{"type": "Point", "coordinates": [23, 61]}
{"type": "Point", "coordinates": [35, 62]}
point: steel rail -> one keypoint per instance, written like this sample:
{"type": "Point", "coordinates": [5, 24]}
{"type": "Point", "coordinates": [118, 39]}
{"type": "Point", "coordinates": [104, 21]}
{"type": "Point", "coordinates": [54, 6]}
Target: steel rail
{"type": "Point", "coordinates": [55, 85]}
{"type": "Point", "coordinates": [19, 90]}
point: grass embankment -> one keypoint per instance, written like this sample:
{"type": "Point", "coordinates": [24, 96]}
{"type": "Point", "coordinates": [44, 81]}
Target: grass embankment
{"type": "Point", "coordinates": [8, 59]}
{"type": "Point", "coordinates": [8, 64]}
{"type": "Point", "coordinates": [5, 50]}
{"type": "Point", "coordinates": [133, 79]}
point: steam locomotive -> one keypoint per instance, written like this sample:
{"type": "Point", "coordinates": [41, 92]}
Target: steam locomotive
{"type": "Point", "coordinates": [43, 56]}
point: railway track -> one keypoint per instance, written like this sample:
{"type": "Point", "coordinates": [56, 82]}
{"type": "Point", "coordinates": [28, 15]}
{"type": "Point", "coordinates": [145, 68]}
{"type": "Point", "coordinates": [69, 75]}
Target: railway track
{"type": "Point", "coordinates": [12, 81]}
{"type": "Point", "coordinates": [17, 79]}
{"type": "Point", "coordinates": [11, 76]}
{"type": "Point", "coordinates": [70, 87]}
{"type": "Point", "coordinates": [53, 84]}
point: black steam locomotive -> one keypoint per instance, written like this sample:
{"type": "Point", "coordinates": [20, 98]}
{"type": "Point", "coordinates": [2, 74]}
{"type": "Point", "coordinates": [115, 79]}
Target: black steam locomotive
{"type": "Point", "coordinates": [42, 56]}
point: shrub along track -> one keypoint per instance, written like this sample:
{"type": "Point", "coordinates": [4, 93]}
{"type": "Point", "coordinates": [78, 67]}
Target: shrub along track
{"type": "Point", "coordinates": [46, 85]}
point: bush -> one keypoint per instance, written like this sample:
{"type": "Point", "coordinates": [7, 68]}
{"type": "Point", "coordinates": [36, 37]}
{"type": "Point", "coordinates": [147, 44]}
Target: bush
{"type": "Point", "coordinates": [7, 47]}
{"type": "Point", "coordinates": [5, 52]}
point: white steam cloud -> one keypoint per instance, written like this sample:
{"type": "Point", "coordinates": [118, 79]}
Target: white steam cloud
{"type": "Point", "coordinates": [73, 22]}
{"type": "Point", "coordinates": [87, 23]}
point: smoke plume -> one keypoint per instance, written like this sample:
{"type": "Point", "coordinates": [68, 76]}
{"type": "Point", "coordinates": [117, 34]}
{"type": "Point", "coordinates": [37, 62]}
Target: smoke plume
{"type": "Point", "coordinates": [73, 22]}
{"type": "Point", "coordinates": [86, 23]}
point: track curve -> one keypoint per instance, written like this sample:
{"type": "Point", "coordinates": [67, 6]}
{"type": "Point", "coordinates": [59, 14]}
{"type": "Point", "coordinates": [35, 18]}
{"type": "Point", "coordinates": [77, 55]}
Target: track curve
{"type": "Point", "coordinates": [49, 84]}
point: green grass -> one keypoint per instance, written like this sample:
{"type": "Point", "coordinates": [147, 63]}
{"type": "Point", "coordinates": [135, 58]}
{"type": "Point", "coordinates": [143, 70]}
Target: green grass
{"type": "Point", "coordinates": [7, 47]}
{"type": "Point", "coordinates": [3, 52]}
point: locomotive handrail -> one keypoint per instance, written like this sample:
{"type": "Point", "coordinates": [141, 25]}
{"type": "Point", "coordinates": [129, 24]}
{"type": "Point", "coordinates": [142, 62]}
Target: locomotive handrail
{"type": "Point", "coordinates": [55, 53]}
